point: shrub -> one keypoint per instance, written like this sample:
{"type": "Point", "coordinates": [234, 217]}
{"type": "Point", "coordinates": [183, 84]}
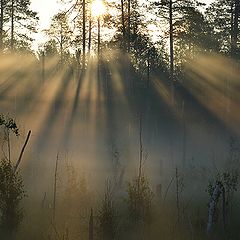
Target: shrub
{"type": "Point", "coordinates": [139, 199]}
{"type": "Point", "coordinates": [107, 216]}
{"type": "Point", "coordinates": [11, 194]}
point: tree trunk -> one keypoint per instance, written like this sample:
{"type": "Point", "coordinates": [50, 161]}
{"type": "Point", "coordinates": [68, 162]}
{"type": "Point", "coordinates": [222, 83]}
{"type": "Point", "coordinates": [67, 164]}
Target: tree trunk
{"type": "Point", "coordinates": [90, 227]}
{"type": "Point", "coordinates": [99, 49]}
{"type": "Point", "coordinates": [217, 191]}
{"type": "Point", "coordinates": [61, 46]}
{"type": "Point", "coordinates": [123, 24]}
{"type": "Point", "coordinates": [55, 189]}
{"type": "Point", "coordinates": [177, 195]}
{"type": "Point", "coordinates": [171, 48]}
{"type": "Point", "coordinates": [236, 10]}
{"type": "Point", "coordinates": [1, 25]}
{"type": "Point", "coordinates": [99, 36]}
{"type": "Point", "coordinates": [140, 155]}
{"type": "Point", "coordinates": [129, 24]}
{"type": "Point", "coordinates": [84, 32]}
{"type": "Point", "coordinates": [22, 151]}
{"type": "Point", "coordinates": [12, 26]}
{"type": "Point", "coordinates": [232, 20]}
{"type": "Point", "coordinates": [43, 67]}
{"type": "Point", "coordinates": [90, 33]}
{"type": "Point", "coordinates": [148, 68]}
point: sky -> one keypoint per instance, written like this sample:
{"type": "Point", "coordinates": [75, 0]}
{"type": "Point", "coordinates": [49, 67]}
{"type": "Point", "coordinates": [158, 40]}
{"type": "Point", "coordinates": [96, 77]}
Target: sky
{"type": "Point", "coordinates": [47, 8]}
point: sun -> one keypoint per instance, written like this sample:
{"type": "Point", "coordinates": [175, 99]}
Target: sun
{"type": "Point", "coordinates": [98, 8]}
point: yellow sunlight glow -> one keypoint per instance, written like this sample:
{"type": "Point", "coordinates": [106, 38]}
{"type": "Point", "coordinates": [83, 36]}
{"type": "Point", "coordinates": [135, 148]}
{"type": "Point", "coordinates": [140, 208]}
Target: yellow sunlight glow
{"type": "Point", "coordinates": [98, 8]}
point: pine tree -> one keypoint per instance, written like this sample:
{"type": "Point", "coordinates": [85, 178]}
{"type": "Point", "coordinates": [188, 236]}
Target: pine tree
{"type": "Point", "coordinates": [235, 27]}
{"type": "Point", "coordinates": [192, 34]}
{"type": "Point", "coordinates": [82, 19]}
{"type": "Point", "coordinates": [60, 31]}
{"type": "Point", "coordinates": [172, 11]}
{"type": "Point", "coordinates": [3, 6]}
{"type": "Point", "coordinates": [224, 17]}
{"type": "Point", "coordinates": [22, 21]}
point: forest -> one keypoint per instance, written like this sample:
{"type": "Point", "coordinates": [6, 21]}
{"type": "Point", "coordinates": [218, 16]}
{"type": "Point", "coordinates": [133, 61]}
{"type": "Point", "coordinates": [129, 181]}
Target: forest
{"type": "Point", "coordinates": [120, 120]}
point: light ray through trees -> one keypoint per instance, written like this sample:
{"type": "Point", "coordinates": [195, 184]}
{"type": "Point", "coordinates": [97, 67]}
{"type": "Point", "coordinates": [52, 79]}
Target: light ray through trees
{"type": "Point", "coordinates": [214, 81]}
{"type": "Point", "coordinates": [87, 114]}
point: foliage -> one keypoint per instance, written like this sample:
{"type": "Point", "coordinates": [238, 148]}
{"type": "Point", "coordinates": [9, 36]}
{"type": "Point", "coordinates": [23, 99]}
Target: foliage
{"type": "Point", "coordinates": [9, 124]}
{"type": "Point", "coordinates": [139, 200]}
{"type": "Point", "coordinates": [228, 182]}
{"type": "Point", "coordinates": [50, 48]}
{"type": "Point", "coordinates": [193, 34]}
{"type": "Point", "coordinates": [60, 36]}
{"type": "Point", "coordinates": [11, 187]}
{"type": "Point", "coordinates": [23, 22]}
{"type": "Point", "coordinates": [60, 30]}
{"type": "Point", "coordinates": [11, 194]}
{"type": "Point", "coordinates": [221, 16]}
{"type": "Point", "coordinates": [107, 216]}
{"type": "Point", "coordinates": [228, 179]}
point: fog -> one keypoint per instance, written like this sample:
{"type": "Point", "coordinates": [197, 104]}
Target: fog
{"type": "Point", "coordinates": [92, 121]}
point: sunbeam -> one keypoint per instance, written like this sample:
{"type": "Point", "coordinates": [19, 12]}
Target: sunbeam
{"type": "Point", "coordinates": [215, 86]}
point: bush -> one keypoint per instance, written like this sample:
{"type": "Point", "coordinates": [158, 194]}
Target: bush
{"type": "Point", "coordinates": [107, 216]}
{"type": "Point", "coordinates": [11, 186]}
{"type": "Point", "coordinates": [11, 194]}
{"type": "Point", "coordinates": [139, 200]}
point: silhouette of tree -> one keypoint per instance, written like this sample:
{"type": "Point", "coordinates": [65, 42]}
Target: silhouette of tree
{"type": "Point", "coordinates": [224, 18]}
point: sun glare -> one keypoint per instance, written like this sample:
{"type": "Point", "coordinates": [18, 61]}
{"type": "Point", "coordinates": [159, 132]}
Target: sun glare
{"type": "Point", "coordinates": [98, 8]}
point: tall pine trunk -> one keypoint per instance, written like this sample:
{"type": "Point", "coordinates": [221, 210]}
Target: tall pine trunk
{"type": "Point", "coordinates": [90, 33]}
{"type": "Point", "coordinates": [90, 226]}
{"type": "Point", "coordinates": [84, 33]}
{"type": "Point", "coordinates": [99, 36]}
{"type": "Point", "coordinates": [235, 27]}
{"type": "Point", "coordinates": [61, 46]}
{"type": "Point", "coordinates": [12, 26]}
{"type": "Point", "coordinates": [1, 25]}
{"type": "Point", "coordinates": [123, 24]}
{"type": "Point", "coordinates": [232, 20]}
{"type": "Point", "coordinates": [129, 25]}
{"type": "Point", "coordinates": [171, 48]}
